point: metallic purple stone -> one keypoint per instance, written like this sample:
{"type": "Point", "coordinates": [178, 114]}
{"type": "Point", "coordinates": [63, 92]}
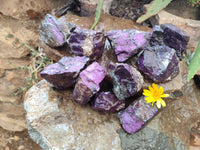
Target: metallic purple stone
{"type": "Point", "coordinates": [156, 37]}
{"type": "Point", "coordinates": [136, 115]}
{"type": "Point", "coordinates": [51, 32]}
{"type": "Point", "coordinates": [127, 42]}
{"type": "Point", "coordinates": [64, 73]}
{"type": "Point", "coordinates": [159, 63]}
{"type": "Point", "coordinates": [175, 37]}
{"type": "Point", "coordinates": [127, 81]}
{"type": "Point", "coordinates": [88, 83]}
{"type": "Point", "coordinates": [108, 102]}
{"type": "Point", "coordinates": [84, 42]}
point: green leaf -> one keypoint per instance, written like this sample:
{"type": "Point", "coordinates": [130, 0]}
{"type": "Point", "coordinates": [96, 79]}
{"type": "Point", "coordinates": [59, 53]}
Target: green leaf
{"type": "Point", "coordinates": [156, 6]}
{"type": "Point", "coordinates": [98, 13]}
{"type": "Point", "coordinates": [194, 64]}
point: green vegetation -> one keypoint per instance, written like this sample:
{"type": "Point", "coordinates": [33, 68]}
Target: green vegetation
{"type": "Point", "coordinates": [98, 13]}
{"type": "Point", "coordinates": [156, 6]}
{"type": "Point", "coordinates": [194, 65]}
{"type": "Point", "coordinates": [188, 56]}
{"type": "Point", "coordinates": [194, 3]}
{"type": "Point", "coordinates": [38, 61]}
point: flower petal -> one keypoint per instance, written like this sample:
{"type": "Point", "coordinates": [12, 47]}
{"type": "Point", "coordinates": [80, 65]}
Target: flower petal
{"type": "Point", "coordinates": [158, 104]}
{"type": "Point", "coordinates": [161, 90]}
{"type": "Point", "coordinates": [164, 95]}
{"type": "Point", "coordinates": [155, 86]}
{"type": "Point", "coordinates": [149, 99]}
{"type": "Point", "coordinates": [150, 89]}
{"type": "Point", "coordinates": [162, 102]}
{"type": "Point", "coordinates": [146, 93]}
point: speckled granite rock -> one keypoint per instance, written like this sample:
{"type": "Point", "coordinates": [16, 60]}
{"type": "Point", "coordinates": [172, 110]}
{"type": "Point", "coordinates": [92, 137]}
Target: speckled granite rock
{"type": "Point", "coordinates": [56, 122]}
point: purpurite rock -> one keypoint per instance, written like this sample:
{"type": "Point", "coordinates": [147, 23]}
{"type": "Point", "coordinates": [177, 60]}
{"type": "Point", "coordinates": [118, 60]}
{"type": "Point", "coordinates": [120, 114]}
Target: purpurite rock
{"type": "Point", "coordinates": [108, 102]}
{"type": "Point", "coordinates": [159, 63]}
{"type": "Point", "coordinates": [136, 115]}
{"type": "Point", "coordinates": [156, 37]}
{"type": "Point", "coordinates": [64, 73]}
{"type": "Point", "coordinates": [127, 42]}
{"type": "Point", "coordinates": [88, 83]}
{"type": "Point", "coordinates": [84, 42]}
{"type": "Point", "coordinates": [127, 81]}
{"type": "Point", "coordinates": [52, 32]}
{"type": "Point", "coordinates": [175, 37]}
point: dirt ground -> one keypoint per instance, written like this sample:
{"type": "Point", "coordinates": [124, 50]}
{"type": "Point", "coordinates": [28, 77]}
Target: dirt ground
{"type": "Point", "coordinates": [16, 141]}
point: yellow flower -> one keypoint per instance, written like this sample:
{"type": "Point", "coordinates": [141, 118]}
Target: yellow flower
{"type": "Point", "coordinates": [154, 95]}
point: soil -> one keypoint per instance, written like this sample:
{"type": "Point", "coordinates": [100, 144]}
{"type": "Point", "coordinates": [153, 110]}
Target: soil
{"type": "Point", "coordinates": [184, 10]}
{"type": "Point", "coordinates": [16, 141]}
{"type": "Point", "coordinates": [129, 9]}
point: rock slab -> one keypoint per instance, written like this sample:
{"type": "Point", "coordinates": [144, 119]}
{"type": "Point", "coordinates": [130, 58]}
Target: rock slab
{"type": "Point", "coordinates": [56, 122]}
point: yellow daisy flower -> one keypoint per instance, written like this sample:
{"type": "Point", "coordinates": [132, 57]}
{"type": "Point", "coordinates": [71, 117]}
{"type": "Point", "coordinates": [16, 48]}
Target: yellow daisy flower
{"type": "Point", "coordinates": [155, 95]}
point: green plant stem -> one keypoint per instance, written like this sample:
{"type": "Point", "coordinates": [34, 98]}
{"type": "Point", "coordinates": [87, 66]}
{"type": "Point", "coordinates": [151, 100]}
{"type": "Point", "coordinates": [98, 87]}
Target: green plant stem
{"type": "Point", "coordinates": [98, 13]}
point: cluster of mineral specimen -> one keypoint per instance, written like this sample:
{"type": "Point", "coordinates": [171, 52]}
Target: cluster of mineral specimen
{"type": "Point", "coordinates": [156, 52]}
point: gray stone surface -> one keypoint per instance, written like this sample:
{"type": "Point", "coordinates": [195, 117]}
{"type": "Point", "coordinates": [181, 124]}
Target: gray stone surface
{"type": "Point", "coordinates": [56, 121]}
{"type": "Point", "coordinates": [149, 139]}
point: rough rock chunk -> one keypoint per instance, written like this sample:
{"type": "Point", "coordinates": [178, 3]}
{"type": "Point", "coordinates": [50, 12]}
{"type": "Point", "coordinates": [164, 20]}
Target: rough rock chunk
{"type": "Point", "coordinates": [175, 37]}
{"type": "Point", "coordinates": [127, 81]}
{"type": "Point", "coordinates": [159, 63]}
{"type": "Point", "coordinates": [156, 36]}
{"type": "Point", "coordinates": [127, 42]}
{"type": "Point", "coordinates": [136, 115]}
{"type": "Point", "coordinates": [64, 73]}
{"type": "Point", "coordinates": [52, 32]}
{"type": "Point", "coordinates": [88, 83]}
{"type": "Point", "coordinates": [108, 102]}
{"type": "Point", "coordinates": [84, 42]}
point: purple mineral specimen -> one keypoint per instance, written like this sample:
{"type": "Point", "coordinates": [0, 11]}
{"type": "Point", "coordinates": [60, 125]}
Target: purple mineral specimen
{"type": "Point", "coordinates": [88, 83]}
{"type": "Point", "coordinates": [159, 63]}
{"type": "Point", "coordinates": [84, 42]}
{"type": "Point", "coordinates": [127, 81]}
{"type": "Point", "coordinates": [108, 102]}
{"type": "Point", "coordinates": [136, 115]}
{"type": "Point", "coordinates": [156, 37]}
{"type": "Point", "coordinates": [175, 38]}
{"type": "Point", "coordinates": [127, 42]}
{"type": "Point", "coordinates": [64, 73]}
{"type": "Point", "coordinates": [52, 32]}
